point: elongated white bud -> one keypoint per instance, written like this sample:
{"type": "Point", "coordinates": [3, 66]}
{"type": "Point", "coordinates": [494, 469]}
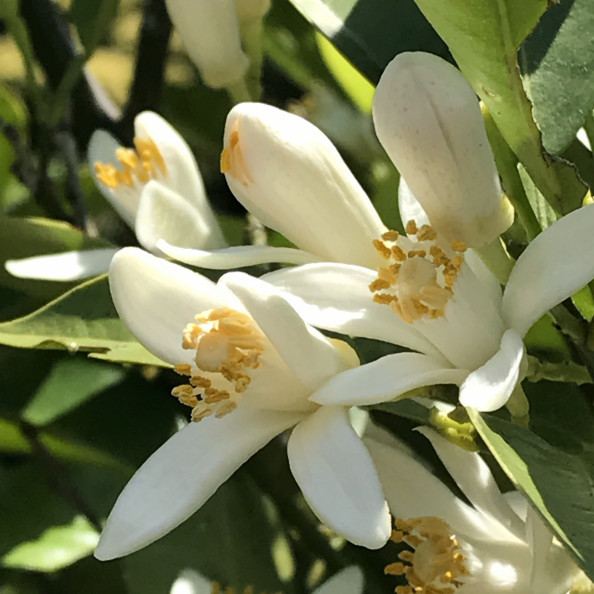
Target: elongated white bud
{"type": "Point", "coordinates": [210, 32]}
{"type": "Point", "coordinates": [287, 172]}
{"type": "Point", "coordinates": [428, 119]}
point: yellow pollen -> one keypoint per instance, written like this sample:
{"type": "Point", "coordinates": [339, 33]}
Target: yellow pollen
{"type": "Point", "coordinates": [420, 273]}
{"type": "Point", "coordinates": [140, 164]}
{"type": "Point", "coordinates": [436, 565]}
{"type": "Point", "coordinates": [227, 345]}
{"type": "Point", "coordinates": [233, 160]}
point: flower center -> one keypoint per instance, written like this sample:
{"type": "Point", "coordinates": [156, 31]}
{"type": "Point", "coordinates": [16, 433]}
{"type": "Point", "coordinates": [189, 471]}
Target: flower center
{"type": "Point", "coordinates": [419, 277]}
{"type": "Point", "coordinates": [141, 164]}
{"type": "Point", "coordinates": [436, 563]}
{"type": "Point", "coordinates": [218, 589]}
{"type": "Point", "coordinates": [233, 161]}
{"type": "Point", "coordinates": [227, 344]}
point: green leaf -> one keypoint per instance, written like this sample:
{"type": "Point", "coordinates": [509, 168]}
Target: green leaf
{"type": "Point", "coordinates": [56, 547]}
{"type": "Point", "coordinates": [70, 383]}
{"type": "Point", "coordinates": [556, 474]}
{"type": "Point", "coordinates": [555, 61]}
{"type": "Point", "coordinates": [484, 37]}
{"type": "Point", "coordinates": [92, 18]}
{"type": "Point", "coordinates": [83, 319]}
{"type": "Point", "coordinates": [371, 32]}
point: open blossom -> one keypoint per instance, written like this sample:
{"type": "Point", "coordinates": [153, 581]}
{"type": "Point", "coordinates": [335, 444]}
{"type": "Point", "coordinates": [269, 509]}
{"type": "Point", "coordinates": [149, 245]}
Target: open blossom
{"type": "Point", "coordinates": [496, 543]}
{"type": "Point", "coordinates": [156, 188]}
{"type": "Point", "coordinates": [250, 366]}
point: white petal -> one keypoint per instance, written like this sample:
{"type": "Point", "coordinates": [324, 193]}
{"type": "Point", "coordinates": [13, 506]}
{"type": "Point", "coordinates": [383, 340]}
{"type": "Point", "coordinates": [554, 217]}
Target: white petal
{"type": "Point", "coordinates": [308, 353]}
{"type": "Point", "coordinates": [102, 149]}
{"type": "Point", "coordinates": [428, 119]}
{"type": "Point", "coordinates": [237, 256]}
{"type": "Point", "coordinates": [337, 477]}
{"type": "Point", "coordinates": [163, 214]}
{"type": "Point", "coordinates": [476, 481]}
{"type": "Point", "coordinates": [412, 491]}
{"type": "Point", "coordinates": [555, 265]}
{"type": "Point", "coordinates": [156, 299]}
{"type": "Point", "coordinates": [67, 266]}
{"type": "Point", "coordinates": [210, 33]}
{"type": "Point", "coordinates": [336, 297]}
{"type": "Point", "coordinates": [485, 276]}
{"type": "Point", "coordinates": [289, 175]}
{"type": "Point", "coordinates": [347, 581]}
{"type": "Point", "coordinates": [385, 379]}
{"type": "Point", "coordinates": [490, 386]}
{"type": "Point", "coordinates": [182, 474]}
{"type": "Point", "coordinates": [409, 207]}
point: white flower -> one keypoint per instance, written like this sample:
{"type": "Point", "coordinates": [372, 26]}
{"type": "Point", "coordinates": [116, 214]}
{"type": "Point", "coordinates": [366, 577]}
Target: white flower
{"type": "Point", "coordinates": [251, 365]}
{"type": "Point", "coordinates": [444, 296]}
{"type": "Point", "coordinates": [346, 581]}
{"type": "Point", "coordinates": [428, 119]}
{"type": "Point", "coordinates": [156, 188]}
{"type": "Point", "coordinates": [210, 33]}
{"type": "Point", "coordinates": [498, 543]}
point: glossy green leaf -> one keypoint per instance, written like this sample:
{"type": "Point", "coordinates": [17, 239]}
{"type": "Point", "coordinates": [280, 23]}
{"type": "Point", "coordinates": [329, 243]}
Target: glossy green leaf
{"type": "Point", "coordinates": [371, 32]}
{"type": "Point", "coordinates": [556, 473]}
{"type": "Point", "coordinates": [484, 37]}
{"type": "Point", "coordinates": [70, 383]}
{"type": "Point", "coordinates": [55, 548]}
{"type": "Point", "coordinates": [83, 319]}
{"type": "Point", "coordinates": [557, 61]}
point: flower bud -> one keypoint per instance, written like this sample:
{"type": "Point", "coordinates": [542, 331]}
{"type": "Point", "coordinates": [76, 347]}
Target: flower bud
{"type": "Point", "coordinates": [251, 9]}
{"type": "Point", "coordinates": [288, 174]}
{"type": "Point", "coordinates": [210, 32]}
{"type": "Point", "coordinates": [428, 119]}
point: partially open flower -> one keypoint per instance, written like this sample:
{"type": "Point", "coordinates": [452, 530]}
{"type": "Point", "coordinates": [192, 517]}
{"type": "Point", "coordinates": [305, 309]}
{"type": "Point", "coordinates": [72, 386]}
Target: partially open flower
{"type": "Point", "coordinates": [250, 368]}
{"type": "Point", "coordinates": [157, 189]}
{"type": "Point", "coordinates": [428, 119]}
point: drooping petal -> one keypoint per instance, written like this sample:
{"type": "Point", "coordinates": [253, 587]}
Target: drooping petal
{"type": "Point", "coordinates": [347, 581]}
{"type": "Point", "coordinates": [385, 379]}
{"type": "Point", "coordinates": [337, 477]}
{"type": "Point", "coordinates": [156, 299]}
{"type": "Point", "coordinates": [67, 266]}
{"type": "Point", "coordinates": [182, 474]}
{"type": "Point", "coordinates": [102, 149]}
{"type": "Point", "coordinates": [288, 174]}
{"type": "Point", "coordinates": [307, 352]}
{"type": "Point", "coordinates": [428, 119]}
{"type": "Point", "coordinates": [409, 207]}
{"type": "Point", "coordinates": [555, 265]}
{"type": "Point", "coordinates": [336, 297]}
{"type": "Point", "coordinates": [490, 386]}
{"type": "Point", "coordinates": [476, 481]}
{"type": "Point", "coordinates": [237, 256]}
{"type": "Point", "coordinates": [412, 491]}
{"type": "Point", "coordinates": [163, 214]}
{"type": "Point", "coordinates": [210, 33]}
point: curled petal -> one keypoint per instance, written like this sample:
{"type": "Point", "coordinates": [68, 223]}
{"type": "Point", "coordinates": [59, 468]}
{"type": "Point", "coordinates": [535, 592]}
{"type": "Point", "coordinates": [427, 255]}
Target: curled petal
{"type": "Point", "coordinates": [67, 266]}
{"type": "Point", "coordinates": [385, 379]}
{"type": "Point", "coordinates": [338, 479]}
{"type": "Point", "coordinates": [490, 386]}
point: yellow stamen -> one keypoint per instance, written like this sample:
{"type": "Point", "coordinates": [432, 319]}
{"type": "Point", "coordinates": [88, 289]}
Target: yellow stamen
{"type": "Point", "coordinates": [140, 165]}
{"type": "Point", "coordinates": [420, 275]}
{"type": "Point", "coordinates": [227, 344]}
{"type": "Point", "coordinates": [436, 565]}
{"type": "Point", "coordinates": [233, 160]}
